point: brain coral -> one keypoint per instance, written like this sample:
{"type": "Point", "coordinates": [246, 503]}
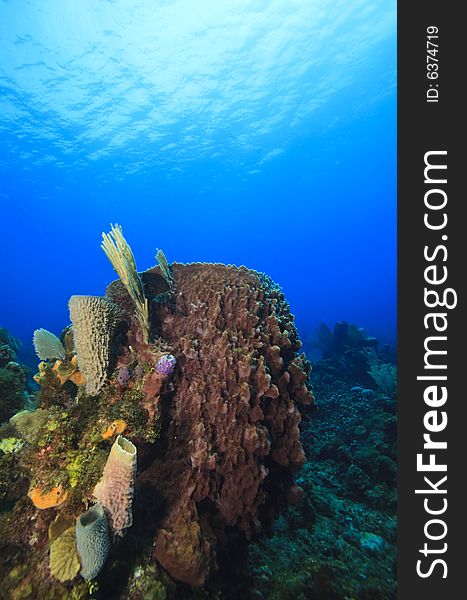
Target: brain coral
{"type": "Point", "coordinates": [94, 320]}
{"type": "Point", "coordinates": [232, 439]}
{"type": "Point", "coordinates": [92, 541]}
{"type": "Point", "coordinates": [115, 489]}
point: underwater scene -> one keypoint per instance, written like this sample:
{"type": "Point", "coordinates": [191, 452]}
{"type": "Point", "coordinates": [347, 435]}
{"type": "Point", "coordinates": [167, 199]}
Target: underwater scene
{"type": "Point", "coordinates": [198, 305]}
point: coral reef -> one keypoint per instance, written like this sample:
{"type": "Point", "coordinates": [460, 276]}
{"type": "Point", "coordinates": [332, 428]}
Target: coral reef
{"type": "Point", "coordinates": [209, 399]}
{"type": "Point", "coordinates": [94, 321]}
{"type": "Point", "coordinates": [347, 353]}
{"type": "Point", "coordinates": [145, 583]}
{"type": "Point", "coordinates": [92, 541]}
{"type": "Point", "coordinates": [116, 488]}
{"type": "Point", "coordinates": [11, 391]}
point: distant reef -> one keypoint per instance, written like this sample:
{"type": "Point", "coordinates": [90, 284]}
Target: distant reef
{"type": "Point", "coordinates": [15, 389]}
{"type": "Point", "coordinates": [338, 541]}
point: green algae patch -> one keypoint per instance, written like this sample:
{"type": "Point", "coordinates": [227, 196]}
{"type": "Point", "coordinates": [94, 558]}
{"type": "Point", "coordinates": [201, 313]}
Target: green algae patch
{"type": "Point", "coordinates": [11, 445]}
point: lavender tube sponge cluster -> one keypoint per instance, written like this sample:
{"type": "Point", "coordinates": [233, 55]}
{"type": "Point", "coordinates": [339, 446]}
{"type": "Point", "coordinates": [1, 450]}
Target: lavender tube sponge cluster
{"type": "Point", "coordinates": [116, 488]}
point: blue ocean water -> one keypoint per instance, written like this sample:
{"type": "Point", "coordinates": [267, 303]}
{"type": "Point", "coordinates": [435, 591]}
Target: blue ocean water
{"type": "Point", "coordinates": [247, 132]}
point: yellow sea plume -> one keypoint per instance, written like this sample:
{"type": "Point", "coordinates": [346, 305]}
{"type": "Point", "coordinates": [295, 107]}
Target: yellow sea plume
{"type": "Point", "coordinates": [165, 269]}
{"type": "Point", "coordinates": [120, 255]}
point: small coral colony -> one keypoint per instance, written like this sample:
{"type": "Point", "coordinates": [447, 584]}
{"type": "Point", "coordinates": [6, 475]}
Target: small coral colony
{"type": "Point", "coordinates": [201, 356]}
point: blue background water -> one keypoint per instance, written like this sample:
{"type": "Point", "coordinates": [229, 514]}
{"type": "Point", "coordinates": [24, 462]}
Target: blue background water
{"type": "Point", "coordinates": [249, 132]}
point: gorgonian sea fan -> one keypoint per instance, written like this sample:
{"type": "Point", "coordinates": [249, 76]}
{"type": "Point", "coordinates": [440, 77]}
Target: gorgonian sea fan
{"type": "Point", "coordinates": [47, 345]}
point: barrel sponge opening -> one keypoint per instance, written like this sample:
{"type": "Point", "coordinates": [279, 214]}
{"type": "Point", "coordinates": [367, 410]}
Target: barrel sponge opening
{"type": "Point", "coordinates": [125, 451]}
{"type": "Point", "coordinates": [94, 320]}
{"type": "Point", "coordinates": [116, 488]}
{"type": "Point", "coordinates": [92, 541]}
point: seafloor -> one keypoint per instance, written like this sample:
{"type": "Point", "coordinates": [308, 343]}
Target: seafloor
{"type": "Point", "coordinates": [216, 474]}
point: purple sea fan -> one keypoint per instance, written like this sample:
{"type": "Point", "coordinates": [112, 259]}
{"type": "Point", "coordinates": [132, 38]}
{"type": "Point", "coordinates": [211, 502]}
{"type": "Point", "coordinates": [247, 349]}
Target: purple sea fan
{"type": "Point", "coordinates": [166, 364]}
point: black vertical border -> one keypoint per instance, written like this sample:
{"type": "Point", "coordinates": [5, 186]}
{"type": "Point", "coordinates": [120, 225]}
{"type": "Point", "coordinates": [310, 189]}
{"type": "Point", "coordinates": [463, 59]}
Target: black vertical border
{"type": "Point", "coordinates": [424, 127]}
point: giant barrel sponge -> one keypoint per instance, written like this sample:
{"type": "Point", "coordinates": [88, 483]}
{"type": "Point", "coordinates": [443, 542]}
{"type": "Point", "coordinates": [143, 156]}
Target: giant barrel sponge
{"type": "Point", "coordinates": [231, 438]}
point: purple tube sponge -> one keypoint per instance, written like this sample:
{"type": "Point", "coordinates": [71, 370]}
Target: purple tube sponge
{"type": "Point", "coordinates": [139, 371]}
{"type": "Point", "coordinates": [123, 376]}
{"type": "Point", "coordinates": [166, 364]}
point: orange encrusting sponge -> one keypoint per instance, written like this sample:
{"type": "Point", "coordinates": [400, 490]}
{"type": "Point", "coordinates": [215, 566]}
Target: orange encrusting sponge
{"type": "Point", "coordinates": [115, 428]}
{"type": "Point", "coordinates": [55, 497]}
